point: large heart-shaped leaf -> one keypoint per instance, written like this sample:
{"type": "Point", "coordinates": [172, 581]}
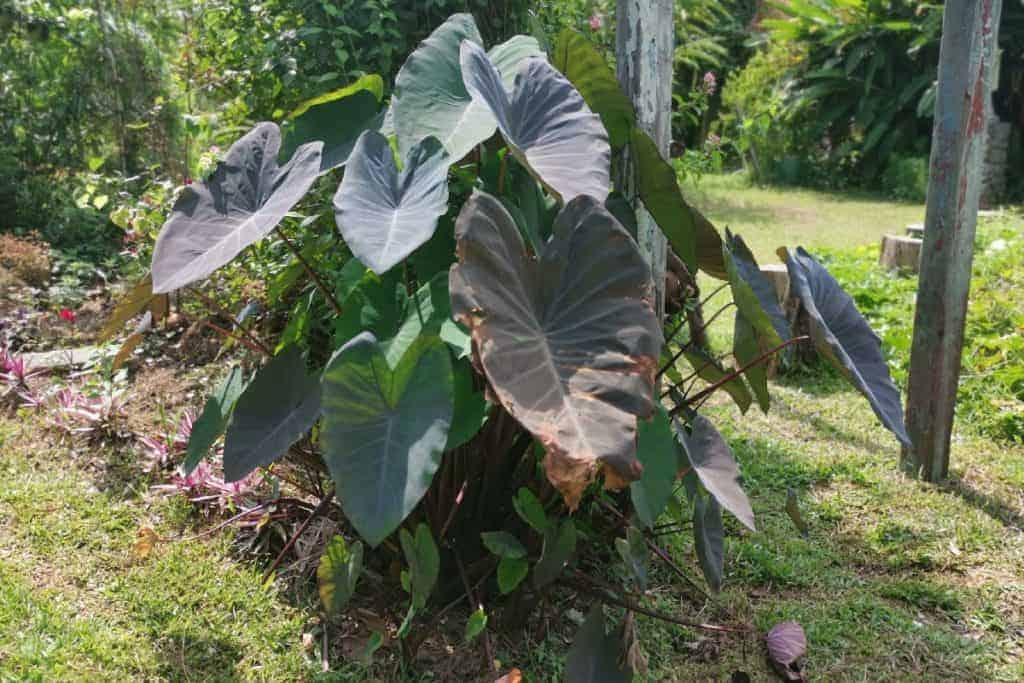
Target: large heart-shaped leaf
{"type": "Point", "coordinates": [336, 118]}
{"type": "Point", "coordinates": [842, 335]}
{"type": "Point", "coordinates": [595, 655]}
{"type": "Point", "coordinates": [568, 340]}
{"type": "Point", "coordinates": [279, 405]}
{"type": "Point", "coordinates": [585, 67]}
{"type": "Point", "coordinates": [244, 199]}
{"type": "Point", "coordinates": [384, 214]}
{"type": "Point", "coordinates": [545, 122]}
{"type": "Point", "coordinates": [710, 457]}
{"type": "Point", "coordinates": [430, 97]}
{"type": "Point", "coordinates": [384, 429]}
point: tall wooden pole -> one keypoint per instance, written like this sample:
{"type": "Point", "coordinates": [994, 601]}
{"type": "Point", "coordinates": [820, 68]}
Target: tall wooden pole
{"type": "Point", "coordinates": [963, 103]}
{"type": "Point", "coordinates": [644, 39]}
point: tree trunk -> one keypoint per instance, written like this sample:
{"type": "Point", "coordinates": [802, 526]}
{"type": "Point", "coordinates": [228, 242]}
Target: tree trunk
{"type": "Point", "coordinates": [963, 102]}
{"type": "Point", "coordinates": [644, 41]}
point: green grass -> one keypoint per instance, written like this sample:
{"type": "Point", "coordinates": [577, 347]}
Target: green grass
{"type": "Point", "coordinates": [77, 604]}
{"type": "Point", "coordinates": [770, 217]}
{"type": "Point", "coordinates": [896, 580]}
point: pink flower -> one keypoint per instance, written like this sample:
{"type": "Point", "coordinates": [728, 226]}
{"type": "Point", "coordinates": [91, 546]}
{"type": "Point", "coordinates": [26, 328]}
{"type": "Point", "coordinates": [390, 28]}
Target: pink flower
{"type": "Point", "coordinates": [596, 22]}
{"type": "Point", "coordinates": [67, 315]}
{"type": "Point", "coordinates": [710, 83]}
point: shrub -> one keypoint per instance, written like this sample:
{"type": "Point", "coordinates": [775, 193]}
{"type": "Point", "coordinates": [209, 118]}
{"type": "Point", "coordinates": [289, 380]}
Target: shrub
{"type": "Point", "coordinates": [25, 259]}
{"type": "Point", "coordinates": [906, 177]}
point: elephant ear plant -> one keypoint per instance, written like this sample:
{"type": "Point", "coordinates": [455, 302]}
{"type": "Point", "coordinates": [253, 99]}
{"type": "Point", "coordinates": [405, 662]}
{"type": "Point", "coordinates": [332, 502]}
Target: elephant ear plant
{"type": "Point", "coordinates": [497, 375]}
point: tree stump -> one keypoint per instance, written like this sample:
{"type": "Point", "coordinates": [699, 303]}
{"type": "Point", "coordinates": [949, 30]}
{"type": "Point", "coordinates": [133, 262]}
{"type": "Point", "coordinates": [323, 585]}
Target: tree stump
{"type": "Point", "coordinates": [915, 230]}
{"type": "Point", "coordinates": [903, 253]}
{"type": "Point", "coordinates": [778, 275]}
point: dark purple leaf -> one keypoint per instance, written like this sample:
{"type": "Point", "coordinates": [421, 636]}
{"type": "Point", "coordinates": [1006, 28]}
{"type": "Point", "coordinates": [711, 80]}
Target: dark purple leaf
{"type": "Point", "coordinates": [568, 340]}
{"type": "Point", "coordinates": [383, 214]}
{"type": "Point", "coordinates": [545, 122]}
{"type": "Point", "coordinates": [843, 336]}
{"type": "Point", "coordinates": [244, 199]}
{"type": "Point", "coordinates": [709, 539]}
{"type": "Point", "coordinates": [595, 655]}
{"type": "Point", "coordinates": [712, 460]}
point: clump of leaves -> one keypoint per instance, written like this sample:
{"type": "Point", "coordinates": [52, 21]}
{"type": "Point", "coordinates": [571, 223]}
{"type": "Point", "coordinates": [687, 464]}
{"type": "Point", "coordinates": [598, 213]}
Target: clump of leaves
{"type": "Point", "coordinates": [485, 372]}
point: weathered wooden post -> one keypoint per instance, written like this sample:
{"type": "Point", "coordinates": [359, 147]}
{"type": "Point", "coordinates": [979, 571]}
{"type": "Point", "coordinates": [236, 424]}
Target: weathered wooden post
{"type": "Point", "coordinates": [644, 39]}
{"type": "Point", "coordinates": [969, 42]}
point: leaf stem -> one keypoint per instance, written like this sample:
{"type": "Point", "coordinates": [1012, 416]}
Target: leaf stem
{"type": "Point", "coordinates": [473, 605]}
{"type": "Point", "coordinates": [717, 385]}
{"type": "Point", "coordinates": [210, 303]}
{"type": "Point", "coordinates": [291, 541]}
{"type": "Point", "coordinates": [238, 338]}
{"type": "Point", "coordinates": [684, 347]}
{"type": "Point", "coordinates": [309, 270]}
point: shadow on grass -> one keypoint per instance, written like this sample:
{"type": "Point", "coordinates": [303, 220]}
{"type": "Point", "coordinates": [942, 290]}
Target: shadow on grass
{"type": "Point", "coordinates": [990, 505]}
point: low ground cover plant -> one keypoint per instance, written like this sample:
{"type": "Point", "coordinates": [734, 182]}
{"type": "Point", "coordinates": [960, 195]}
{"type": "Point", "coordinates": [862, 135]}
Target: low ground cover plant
{"type": "Point", "coordinates": [495, 392]}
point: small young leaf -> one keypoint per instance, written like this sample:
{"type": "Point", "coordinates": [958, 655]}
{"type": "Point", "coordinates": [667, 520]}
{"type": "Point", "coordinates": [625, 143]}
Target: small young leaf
{"type": "Point", "coordinates": [530, 510]}
{"type": "Point", "coordinates": [338, 573]}
{"type": "Point", "coordinates": [503, 544]}
{"type": "Point", "coordinates": [559, 546]}
{"type": "Point", "coordinates": [511, 572]}
{"type": "Point", "coordinates": [633, 552]}
{"type": "Point", "coordinates": [709, 539]}
{"type": "Point", "coordinates": [373, 644]}
{"type": "Point", "coordinates": [793, 510]}
{"type": "Point", "coordinates": [424, 563]}
{"type": "Point", "coordinates": [476, 624]}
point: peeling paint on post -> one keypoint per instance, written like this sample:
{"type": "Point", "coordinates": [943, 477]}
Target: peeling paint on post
{"type": "Point", "coordinates": [643, 47]}
{"type": "Point", "coordinates": [962, 106]}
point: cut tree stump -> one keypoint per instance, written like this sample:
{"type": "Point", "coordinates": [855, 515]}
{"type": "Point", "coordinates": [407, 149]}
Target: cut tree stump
{"type": "Point", "coordinates": [915, 230]}
{"type": "Point", "coordinates": [899, 252]}
{"type": "Point", "coordinates": [778, 275]}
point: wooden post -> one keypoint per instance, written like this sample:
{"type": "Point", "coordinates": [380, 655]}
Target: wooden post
{"type": "Point", "coordinates": [969, 40]}
{"type": "Point", "coordinates": [644, 39]}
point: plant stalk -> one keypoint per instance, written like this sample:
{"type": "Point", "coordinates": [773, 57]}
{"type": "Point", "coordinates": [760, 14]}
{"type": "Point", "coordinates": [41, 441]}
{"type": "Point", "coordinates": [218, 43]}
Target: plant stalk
{"type": "Point", "coordinates": [310, 271]}
{"type": "Point", "coordinates": [291, 541]}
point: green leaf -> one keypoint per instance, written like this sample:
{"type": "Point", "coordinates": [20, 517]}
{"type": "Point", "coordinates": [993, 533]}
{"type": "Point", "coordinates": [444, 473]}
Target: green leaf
{"type": "Point", "coordinates": [213, 420]}
{"type": "Point", "coordinates": [133, 303]}
{"type": "Point", "coordinates": [503, 544]}
{"type": "Point", "coordinates": [793, 510]}
{"type": "Point", "coordinates": [424, 563]}
{"type": "Point", "coordinates": [709, 539]}
{"type": "Point", "coordinates": [511, 572]}
{"type": "Point", "coordinates": [559, 545]}
{"type": "Point", "coordinates": [385, 428]}
{"type": "Point", "coordinates": [711, 371]}
{"type": "Point", "coordinates": [336, 118]}
{"type": "Point", "coordinates": [633, 551]}
{"type": "Point", "coordinates": [754, 294]}
{"type": "Point", "coordinates": [530, 510]}
{"type": "Point", "coordinates": [660, 193]}
{"type": "Point", "coordinates": [470, 406]}
{"type": "Point", "coordinates": [279, 405]}
{"type": "Point", "coordinates": [338, 573]}
{"type": "Point", "coordinates": [746, 348]}
{"type": "Point", "coordinates": [476, 624]}
{"type": "Point", "coordinates": [586, 68]}
{"type": "Point", "coordinates": [656, 450]}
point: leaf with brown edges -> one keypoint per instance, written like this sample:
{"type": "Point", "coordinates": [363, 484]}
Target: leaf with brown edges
{"type": "Point", "coordinates": [568, 340]}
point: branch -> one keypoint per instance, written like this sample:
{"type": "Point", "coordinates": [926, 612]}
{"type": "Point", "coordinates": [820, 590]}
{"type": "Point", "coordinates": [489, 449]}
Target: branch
{"type": "Point", "coordinates": [654, 614]}
{"type": "Point", "coordinates": [238, 338]}
{"type": "Point", "coordinates": [211, 304]}
{"type": "Point", "coordinates": [684, 347]}
{"type": "Point", "coordinates": [717, 385]}
{"type": "Point", "coordinates": [309, 270]}
{"type": "Point", "coordinates": [291, 541]}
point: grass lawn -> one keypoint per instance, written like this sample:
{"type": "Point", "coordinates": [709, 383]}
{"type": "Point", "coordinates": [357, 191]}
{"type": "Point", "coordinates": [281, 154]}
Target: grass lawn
{"type": "Point", "coordinates": [895, 579]}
